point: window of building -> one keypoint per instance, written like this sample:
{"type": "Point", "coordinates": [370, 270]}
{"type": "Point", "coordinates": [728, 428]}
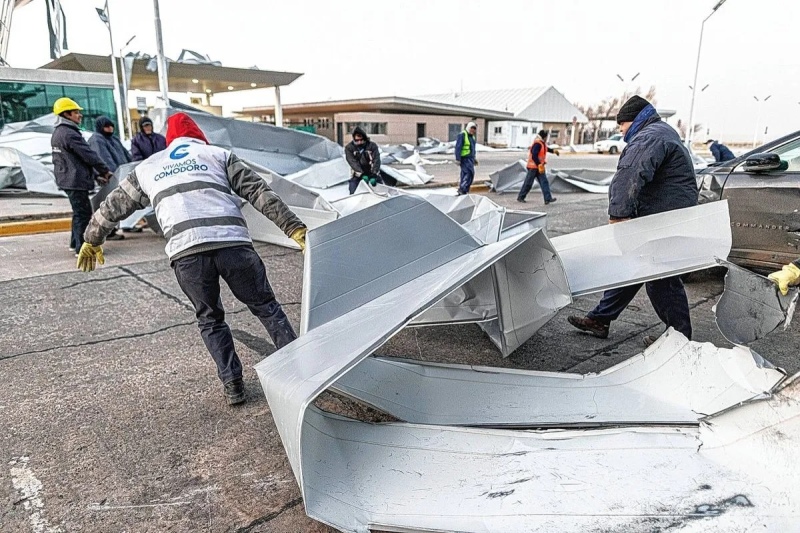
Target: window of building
{"type": "Point", "coordinates": [498, 130]}
{"type": "Point", "coordinates": [524, 130]}
{"type": "Point", "coordinates": [370, 128]}
{"type": "Point", "coordinates": [27, 101]}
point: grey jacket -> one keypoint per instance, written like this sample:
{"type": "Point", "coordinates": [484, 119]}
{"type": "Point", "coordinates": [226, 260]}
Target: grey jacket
{"type": "Point", "coordinates": [74, 161]}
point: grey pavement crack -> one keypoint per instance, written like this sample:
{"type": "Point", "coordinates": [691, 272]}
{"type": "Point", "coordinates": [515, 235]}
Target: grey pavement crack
{"type": "Point", "coordinates": [98, 280]}
{"type": "Point", "coordinates": [271, 516]}
{"type": "Point", "coordinates": [158, 289]}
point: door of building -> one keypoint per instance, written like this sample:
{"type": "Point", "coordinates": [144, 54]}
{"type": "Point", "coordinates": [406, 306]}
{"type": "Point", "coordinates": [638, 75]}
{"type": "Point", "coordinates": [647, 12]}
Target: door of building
{"type": "Point", "coordinates": [420, 130]}
{"type": "Point", "coordinates": [452, 132]}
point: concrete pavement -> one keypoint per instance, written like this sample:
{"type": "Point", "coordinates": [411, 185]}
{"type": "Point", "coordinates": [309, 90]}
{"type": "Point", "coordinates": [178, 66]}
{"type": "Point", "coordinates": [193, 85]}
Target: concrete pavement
{"type": "Point", "coordinates": [112, 418]}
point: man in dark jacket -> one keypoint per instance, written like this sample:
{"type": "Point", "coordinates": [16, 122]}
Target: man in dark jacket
{"type": "Point", "coordinates": [654, 174]}
{"type": "Point", "coordinates": [107, 145]}
{"type": "Point", "coordinates": [110, 149]}
{"type": "Point", "coordinates": [147, 142]}
{"type": "Point", "coordinates": [465, 155]}
{"type": "Point", "coordinates": [720, 152]}
{"type": "Point", "coordinates": [74, 165]}
{"type": "Point", "coordinates": [364, 158]}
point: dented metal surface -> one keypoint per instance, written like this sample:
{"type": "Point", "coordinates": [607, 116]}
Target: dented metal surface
{"type": "Point", "coordinates": [402, 476]}
{"type": "Point", "coordinates": [510, 178]}
{"type": "Point", "coordinates": [675, 381]}
{"type": "Point", "coordinates": [751, 306]}
{"type": "Point", "coordinates": [643, 249]}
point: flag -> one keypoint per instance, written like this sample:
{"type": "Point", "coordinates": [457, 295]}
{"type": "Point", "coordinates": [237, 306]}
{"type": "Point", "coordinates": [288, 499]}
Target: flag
{"type": "Point", "coordinates": [57, 24]}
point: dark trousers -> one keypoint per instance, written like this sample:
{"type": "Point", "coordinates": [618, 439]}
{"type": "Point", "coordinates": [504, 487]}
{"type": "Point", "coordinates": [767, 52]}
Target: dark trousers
{"type": "Point", "coordinates": [244, 272]}
{"type": "Point", "coordinates": [81, 215]}
{"type": "Point", "coordinates": [667, 296]}
{"type": "Point", "coordinates": [544, 183]}
{"type": "Point", "coordinates": [467, 175]}
{"type": "Point", "coordinates": [353, 182]}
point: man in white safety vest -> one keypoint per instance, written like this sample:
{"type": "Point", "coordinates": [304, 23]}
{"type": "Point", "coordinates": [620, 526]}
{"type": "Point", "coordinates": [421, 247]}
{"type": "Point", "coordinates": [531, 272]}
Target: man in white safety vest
{"type": "Point", "coordinates": [193, 188]}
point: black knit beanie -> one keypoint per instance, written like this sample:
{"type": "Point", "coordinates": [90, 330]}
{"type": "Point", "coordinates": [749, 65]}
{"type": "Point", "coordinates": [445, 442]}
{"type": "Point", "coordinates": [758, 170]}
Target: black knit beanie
{"type": "Point", "coordinates": [631, 108]}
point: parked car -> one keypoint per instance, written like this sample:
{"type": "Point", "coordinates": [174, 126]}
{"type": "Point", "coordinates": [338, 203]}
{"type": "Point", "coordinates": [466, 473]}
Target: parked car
{"type": "Point", "coordinates": [763, 192]}
{"type": "Point", "coordinates": [612, 145]}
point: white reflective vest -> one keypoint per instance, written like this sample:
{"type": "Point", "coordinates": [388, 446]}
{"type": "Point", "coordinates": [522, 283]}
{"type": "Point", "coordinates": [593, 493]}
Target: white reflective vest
{"type": "Point", "coordinates": [188, 187]}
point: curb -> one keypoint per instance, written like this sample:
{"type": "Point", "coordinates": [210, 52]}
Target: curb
{"type": "Point", "coordinates": [30, 227]}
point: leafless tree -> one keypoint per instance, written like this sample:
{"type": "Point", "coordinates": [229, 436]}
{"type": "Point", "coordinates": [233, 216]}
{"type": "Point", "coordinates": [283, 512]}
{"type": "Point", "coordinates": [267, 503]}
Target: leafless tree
{"type": "Point", "coordinates": [608, 108]}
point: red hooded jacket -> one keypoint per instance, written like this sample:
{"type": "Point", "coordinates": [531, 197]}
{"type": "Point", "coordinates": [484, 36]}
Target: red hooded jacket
{"type": "Point", "coordinates": [181, 125]}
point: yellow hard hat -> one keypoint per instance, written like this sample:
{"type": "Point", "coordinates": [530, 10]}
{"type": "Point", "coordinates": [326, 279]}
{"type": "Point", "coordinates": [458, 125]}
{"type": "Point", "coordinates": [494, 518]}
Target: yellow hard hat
{"type": "Point", "coordinates": [65, 104]}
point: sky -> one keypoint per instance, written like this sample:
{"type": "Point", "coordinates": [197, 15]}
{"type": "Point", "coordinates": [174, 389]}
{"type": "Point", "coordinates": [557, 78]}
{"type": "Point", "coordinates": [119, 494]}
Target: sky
{"type": "Point", "coordinates": [369, 49]}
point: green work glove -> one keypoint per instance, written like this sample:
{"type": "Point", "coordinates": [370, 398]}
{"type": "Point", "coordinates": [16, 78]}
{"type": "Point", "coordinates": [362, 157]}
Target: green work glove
{"type": "Point", "coordinates": [299, 236]}
{"type": "Point", "coordinates": [788, 276]}
{"type": "Point", "coordinates": [89, 256]}
{"type": "Point", "coordinates": [372, 181]}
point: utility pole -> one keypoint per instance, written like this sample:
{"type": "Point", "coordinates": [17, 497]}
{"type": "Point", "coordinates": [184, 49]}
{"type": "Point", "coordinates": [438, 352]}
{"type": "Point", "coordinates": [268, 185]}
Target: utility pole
{"type": "Point", "coordinates": [163, 83]}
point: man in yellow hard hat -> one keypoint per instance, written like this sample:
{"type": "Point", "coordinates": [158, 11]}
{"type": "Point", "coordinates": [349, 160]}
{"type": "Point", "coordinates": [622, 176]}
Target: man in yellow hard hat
{"type": "Point", "coordinates": [76, 166]}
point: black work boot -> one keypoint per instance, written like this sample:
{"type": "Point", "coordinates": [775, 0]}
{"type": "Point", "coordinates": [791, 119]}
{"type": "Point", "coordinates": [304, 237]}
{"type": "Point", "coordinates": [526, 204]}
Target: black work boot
{"type": "Point", "coordinates": [589, 325]}
{"type": "Point", "coordinates": [234, 391]}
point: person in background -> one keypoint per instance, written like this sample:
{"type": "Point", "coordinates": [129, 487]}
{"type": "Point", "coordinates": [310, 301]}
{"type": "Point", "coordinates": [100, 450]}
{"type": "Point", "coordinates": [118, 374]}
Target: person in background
{"type": "Point", "coordinates": [655, 174]}
{"type": "Point", "coordinates": [537, 159]}
{"type": "Point", "coordinates": [720, 152]}
{"type": "Point", "coordinates": [110, 149]}
{"type": "Point", "coordinates": [364, 158]}
{"type": "Point", "coordinates": [196, 190]}
{"type": "Point", "coordinates": [75, 166]}
{"type": "Point", "coordinates": [146, 142]}
{"type": "Point", "coordinates": [465, 155]}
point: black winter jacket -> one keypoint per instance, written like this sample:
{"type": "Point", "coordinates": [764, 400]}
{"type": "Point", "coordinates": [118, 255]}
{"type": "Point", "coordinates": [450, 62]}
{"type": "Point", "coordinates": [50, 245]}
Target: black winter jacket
{"type": "Point", "coordinates": [74, 162]}
{"type": "Point", "coordinates": [654, 174]}
{"type": "Point", "coordinates": [365, 158]}
{"type": "Point", "coordinates": [143, 146]}
{"type": "Point", "coordinates": [108, 146]}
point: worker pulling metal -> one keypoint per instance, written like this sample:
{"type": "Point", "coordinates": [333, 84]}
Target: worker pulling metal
{"type": "Point", "coordinates": [193, 188]}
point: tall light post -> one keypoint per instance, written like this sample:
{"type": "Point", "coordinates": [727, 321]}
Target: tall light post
{"type": "Point", "coordinates": [690, 130]}
{"type": "Point", "coordinates": [105, 16]}
{"type": "Point", "coordinates": [127, 109]}
{"type": "Point", "coordinates": [758, 116]}
{"type": "Point", "coordinates": [703, 88]}
{"type": "Point", "coordinates": [163, 84]}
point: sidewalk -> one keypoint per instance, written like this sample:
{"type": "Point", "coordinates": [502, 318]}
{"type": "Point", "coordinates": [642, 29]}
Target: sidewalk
{"type": "Point", "coordinates": [26, 213]}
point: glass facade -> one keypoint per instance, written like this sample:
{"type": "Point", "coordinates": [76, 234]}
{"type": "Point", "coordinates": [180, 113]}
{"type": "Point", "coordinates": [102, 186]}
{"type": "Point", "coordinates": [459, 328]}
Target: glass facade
{"type": "Point", "coordinates": [27, 101]}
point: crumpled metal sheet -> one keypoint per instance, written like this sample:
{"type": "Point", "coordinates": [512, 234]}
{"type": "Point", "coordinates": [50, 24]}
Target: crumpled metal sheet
{"type": "Point", "coordinates": [281, 150]}
{"type": "Point", "coordinates": [643, 249]}
{"type": "Point", "coordinates": [751, 306]}
{"type": "Point", "coordinates": [20, 171]}
{"type": "Point", "coordinates": [322, 175]}
{"type": "Point", "coordinates": [510, 178]}
{"type": "Point", "coordinates": [408, 476]}
{"type": "Point", "coordinates": [674, 381]}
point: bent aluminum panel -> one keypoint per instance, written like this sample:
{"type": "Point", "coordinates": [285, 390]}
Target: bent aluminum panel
{"type": "Point", "coordinates": [751, 307]}
{"type": "Point", "coordinates": [734, 473]}
{"type": "Point", "coordinates": [675, 381]}
{"type": "Point", "coordinates": [348, 273]}
{"type": "Point", "coordinates": [323, 175]}
{"type": "Point", "coordinates": [263, 229]}
{"type": "Point", "coordinates": [646, 248]}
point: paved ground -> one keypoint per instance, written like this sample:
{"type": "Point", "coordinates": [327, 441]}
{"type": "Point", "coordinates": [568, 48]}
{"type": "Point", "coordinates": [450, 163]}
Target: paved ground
{"type": "Point", "coordinates": [111, 416]}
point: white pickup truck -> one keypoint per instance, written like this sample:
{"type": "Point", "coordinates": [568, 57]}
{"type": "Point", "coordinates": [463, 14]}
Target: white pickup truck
{"type": "Point", "coordinates": [612, 145]}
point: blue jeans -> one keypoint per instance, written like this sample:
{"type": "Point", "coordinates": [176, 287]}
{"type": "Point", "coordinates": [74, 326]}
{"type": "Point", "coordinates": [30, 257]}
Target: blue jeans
{"type": "Point", "coordinates": [242, 269]}
{"type": "Point", "coordinates": [667, 296]}
{"type": "Point", "coordinates": [81, 215]}
{"type": "Point", "coordinates": [467, 174]}
{"type": "Point", "coordinates": [544, 183]}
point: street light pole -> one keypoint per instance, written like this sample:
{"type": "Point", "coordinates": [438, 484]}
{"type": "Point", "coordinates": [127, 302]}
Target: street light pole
{"type": "Point", "coordinates": [163, 84]}
{"type": "Point", "coordinates": [127, 109]}
{"type": "Point", "coordinates": [626, 85]}
{"type": "Point", "coordinates": [690, 130]}
{"type": "Point", "coordinates": [758, 116]}
{"type": "Point", "coordinates": [106, 17]}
